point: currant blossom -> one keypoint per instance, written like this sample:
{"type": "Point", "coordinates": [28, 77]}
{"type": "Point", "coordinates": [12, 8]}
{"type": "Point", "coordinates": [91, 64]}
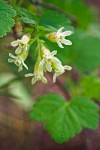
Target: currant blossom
{"type": "Point", "coordinates": [38, 73]}
{"type": "Point", "coordinates": [52, 63]}
{"type": "Point", "coordinates": [59, 37]}
{"type": "Point", "coordinates": [58, 68]}
{"type": "Point", "coordinates": [47, 58]}
{"type": "Point", "coordinates": [19, 60]}
{"type": "Point", "coordinates": [22, 44]}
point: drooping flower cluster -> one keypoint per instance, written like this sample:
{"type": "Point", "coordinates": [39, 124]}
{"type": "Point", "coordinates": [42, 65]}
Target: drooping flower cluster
{"type": "Point", "coordinates": [52, 63]}
{"type": "Point", "coordinates": [46, 60]}
{"type": "Point", "coordinates": [21, 52]}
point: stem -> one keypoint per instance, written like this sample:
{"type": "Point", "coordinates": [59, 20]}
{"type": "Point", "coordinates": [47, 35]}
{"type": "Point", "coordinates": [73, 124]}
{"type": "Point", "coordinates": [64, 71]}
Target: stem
{"type": "Point", "coordinates": [54, 8]}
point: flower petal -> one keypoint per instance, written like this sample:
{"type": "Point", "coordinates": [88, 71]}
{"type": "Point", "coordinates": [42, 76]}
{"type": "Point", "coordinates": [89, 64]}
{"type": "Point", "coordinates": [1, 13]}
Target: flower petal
{"type": "Point", "coordinates": [54, 52]}
{"type": "Point", "coordinates": [59, 31]}
{"type": "Point", "coordinates": [66, 42]}
{"type": "Point", "coordinates": [43, 79]}
{"type": "Point", "coordinates": [48, 67]}
{"type": "Point", "coordinates": [10, 60]}
{"type": "Point", "coordinates": [41, 64]}
{"type": "Point", "coordinates": [54, 77]}
{"type": "Point", "coordinates": [12, 56]}
{"type": "Point", "coordinates": [29, 75]}
{"type": "Point", "coordinates": [67, 67]}
{"type": "Point", "coordinates": [26, 47]}
{"type": "Point", "coordinates": [24, 65]}
{"type": "Point", "coordinates": [67, 33]}
{"type": "Point", "coordinates": [59, 44]}
{"type": "Point", "coordinates": [24, 39]}
{"type": "Point", "coordinates": [34, 80]}
{"type": "Point", "coordinates": [56, 61]}
{"type": "Point", "coordinates": [18, 50]}
{"type": "Point", "coordinates": [14, 43]}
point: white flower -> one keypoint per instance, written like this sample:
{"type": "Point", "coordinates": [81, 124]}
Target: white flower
{"type": "Point", "coordinates": [37, 77]}
{"type": "Point", "coordinates": [58, 68]}
{"type": "Point", "coordinates": [47, 56]}
{"type": "Point", "coordinates": [60, 37]}
{"type": "Point", "coordinates": [51, 63]}
{"type": "Point", "coordinates": [18, 60]}
{"type": "Point", "coordinates": [21, 43]}
{"type": "Point", "coordinates": [38, 74]}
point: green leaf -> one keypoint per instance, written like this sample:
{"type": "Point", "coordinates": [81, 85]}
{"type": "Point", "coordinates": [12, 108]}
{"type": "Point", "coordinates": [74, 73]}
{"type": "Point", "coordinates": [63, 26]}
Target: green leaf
{"type": "Point", "coordinates": [90, 85]}
{"type": "Point", "coordinates": [48, 105]}
{"type": "Point", "coordinates": [26, 16]}
{"type": "Point", "coordinates": [63, 120]}
{"type": "Point", "coordinates": [77, 8]}
{"type": "Point", "coordinates": [84, 53]}
{"type": "Point", "coordinates": [6, 15]}
{"type": "Point", "coordinates": [54, 21]}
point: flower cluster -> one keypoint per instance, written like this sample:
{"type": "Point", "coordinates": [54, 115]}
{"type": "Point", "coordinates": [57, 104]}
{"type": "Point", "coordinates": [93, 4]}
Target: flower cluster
{"type": "Point", "coordinates": [46, 60]}
{"type": "Point", "coordinates": [21, 52]}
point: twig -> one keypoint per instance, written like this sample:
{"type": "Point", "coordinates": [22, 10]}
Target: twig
{"type": "Point", "coordinates": [54, 8]}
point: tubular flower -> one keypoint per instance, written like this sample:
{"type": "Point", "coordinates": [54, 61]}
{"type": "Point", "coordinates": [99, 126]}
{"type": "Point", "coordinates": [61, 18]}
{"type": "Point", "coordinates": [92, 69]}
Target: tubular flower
{"type": "Point", "coordinates": [51, 63]}
{"type": "Point", "coordinates": [59, 37]}
{"type": "Point", "coordinates": [47, 58]}
{"type": "Point", "coordinates": [58, 68]}
{"type": "Point", "coordinates": [22, 44]}
{"type": "Point", "coordinates": [38, 73]}
{"type": "Point", "coordinates": [19, 60]}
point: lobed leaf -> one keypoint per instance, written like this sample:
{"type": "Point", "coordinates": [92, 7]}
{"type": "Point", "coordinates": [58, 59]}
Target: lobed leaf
{"type": "Point", "coordinates": [64, 120]}
{"type": "Point", "coordinates": [90, 85]}
{"type": "Point", "coordinates": [75, 8]}
{"type": "Point", "coordinates": [6, 14]}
